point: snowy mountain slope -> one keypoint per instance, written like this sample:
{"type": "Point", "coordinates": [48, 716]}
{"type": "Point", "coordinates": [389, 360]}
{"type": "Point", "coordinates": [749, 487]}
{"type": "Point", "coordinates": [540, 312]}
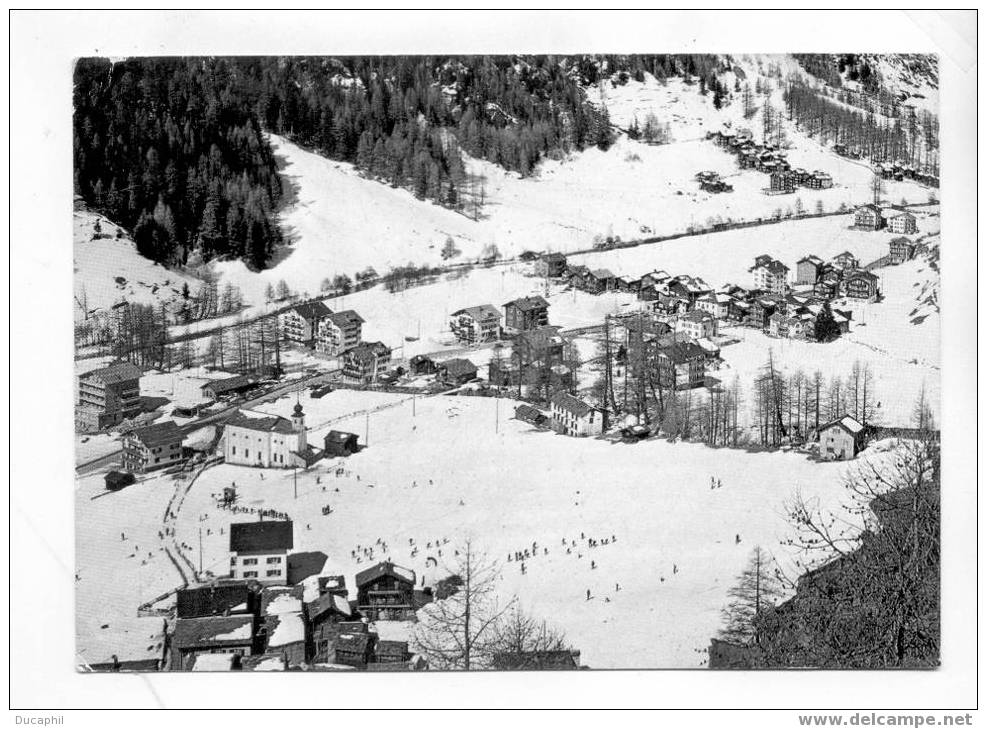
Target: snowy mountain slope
{"type": "Point", "coordinates": [108, 268]}
{"type": "Point", "coordinates": [674, 571]}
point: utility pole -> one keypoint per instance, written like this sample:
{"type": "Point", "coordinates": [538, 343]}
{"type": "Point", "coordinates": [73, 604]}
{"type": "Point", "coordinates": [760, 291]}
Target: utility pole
{"type": "Point", "coordinates": [294, 477]}
{"type": "Point", "coordinates": [200, 550]}
{"type": "Point", "coordinates": [366, 431]}
{"type": "Point", "coordinates": [496, 414]}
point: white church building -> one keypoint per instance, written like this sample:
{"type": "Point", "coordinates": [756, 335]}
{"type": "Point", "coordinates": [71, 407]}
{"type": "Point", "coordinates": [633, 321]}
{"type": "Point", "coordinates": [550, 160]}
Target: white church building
{"type": "Point", "coordinates": [251, 438]}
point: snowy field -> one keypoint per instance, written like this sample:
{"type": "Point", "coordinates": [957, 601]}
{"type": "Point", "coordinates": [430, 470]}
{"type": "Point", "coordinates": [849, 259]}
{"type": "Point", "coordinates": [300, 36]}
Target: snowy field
{"type": "Point", "coordinates": [654, 497]}
{"type": "Point", "coordinates": [100, 262]}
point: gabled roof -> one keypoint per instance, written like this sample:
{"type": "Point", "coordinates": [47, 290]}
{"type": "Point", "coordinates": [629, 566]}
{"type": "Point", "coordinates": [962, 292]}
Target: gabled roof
{"type": "Point", "coordinates": [228, 384]}
{"type": "Point", "coordinates": [553, 257]}
{"type": "Point", "coordinates": [697, 315]}
{"type": "Point", "coordinates": [845, 254]}
{"type": "Point", "coordinates": [158, 434]}
{"type": "Point", "coordinates": [869, 206]}
{"type": "Point", "coordinates": [213, 631]}
{"type": "Point", "coordinates": [850, 425]}
{"type": "Point", "coordinates": [115, 373]}
{"type": "Point", "coordinates": [262, 536]}
{"type": "Point", "coordinates": [458, 367]}
{"type": "Point", "coordinates": [480, 312]}
{"type": "Point", "coordinates": [340, 436]}
{"type": "Point", "coordinates": [260, 422]}
{"type": "Point", "coordinates": [528, 414]}
{"type": "Point", "coordinates": [528, 303]}
{"type": "Point", "coordinates": [200, 602]}
{"type": "Point", "coordinates": [602, 273]}
{"type": "Point", "coordinates": [382, 569]}
{"type": "Point", "coordinates": [345, 318]}
{"type": "Point", "coordinates": [311, 310]}
{"type": "Point", "coordinates": [574, 405]}
{"type": "Point", "coordinates": [862, 274]}
{"type": "Point", "coordinates": [368, 351]}
{"type": "Point", "coordinates": [682, 352]}
{"type": "Point", "coordinates": [811, 259]}
{"type": "Point", "coordinates": [327, 604]}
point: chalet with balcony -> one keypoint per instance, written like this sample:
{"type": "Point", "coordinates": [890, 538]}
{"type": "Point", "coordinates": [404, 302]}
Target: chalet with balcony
{"type": "Point", "coordinates": [868, 217]}
{"type": "Point", "coordinates": [152, 447]}
{"type": "Point", "coordinates": [861, 285]}
{"type": "Point", "coordinates": [386, 592]}
{"type": "Point", "coordinates": [525, 313]}
{"type": "Point", "coordinates": [366, 362]}
{"type": "Point", "coordinates": [900, 222]}
{"type": "Point", "coordinates": [682, 366]}
{"type": "Point", "coordinates": [301, 322]}
{"type": "Point", "coordinates": [901, 249]}
{"type": "Point", "coordinates": [456, 371]}
{"type": "Point", "coordinates": [476, 324]}
{"type": "Point", "coordinates": [338, 332]}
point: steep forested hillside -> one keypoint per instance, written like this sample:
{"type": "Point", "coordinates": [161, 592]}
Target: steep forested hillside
{"type": "Point", "coordinates": [174, 150]}
{"type": "Point", "coordinates": [170, 149]}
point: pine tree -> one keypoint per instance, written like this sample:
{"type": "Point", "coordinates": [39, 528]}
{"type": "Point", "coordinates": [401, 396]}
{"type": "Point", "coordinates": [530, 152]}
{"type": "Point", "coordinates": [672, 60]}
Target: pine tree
{"type": "Point", "coordinates": [758, 589]}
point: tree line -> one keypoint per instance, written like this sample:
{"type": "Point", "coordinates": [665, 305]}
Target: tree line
{"type": "Point", "coordinates": [170, 149]}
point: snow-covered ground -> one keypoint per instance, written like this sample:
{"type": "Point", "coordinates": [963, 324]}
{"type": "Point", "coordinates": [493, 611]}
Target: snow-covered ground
{"type": "Point", "coordinates": [440, 476]}
{"type": "Point", "coordinates": [100, 261]}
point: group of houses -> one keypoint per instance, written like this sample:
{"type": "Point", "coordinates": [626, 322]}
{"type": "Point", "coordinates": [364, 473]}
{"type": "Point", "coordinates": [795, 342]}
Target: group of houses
{"type": "Point", "coordinates": [899, 171]}
{"type": "Point", "coordinates": [772, 161]}
{"type": "Point", "coordinates": [895, 219]}
{"type": "Point", "coordinates": [264, 617]}
{"type": "Point", "coordinates": [712, 182]}
{"type": "Point", "coordinates": [841, 276]}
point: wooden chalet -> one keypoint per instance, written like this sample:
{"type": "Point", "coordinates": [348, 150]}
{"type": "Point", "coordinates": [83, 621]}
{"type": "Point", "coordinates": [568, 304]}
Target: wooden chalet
{"type": "Point", "coordinates": [386, 592]}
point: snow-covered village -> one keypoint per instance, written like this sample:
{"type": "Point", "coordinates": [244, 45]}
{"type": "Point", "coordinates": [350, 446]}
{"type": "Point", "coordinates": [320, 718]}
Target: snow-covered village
{"type": "Point", "coordinates": [408, 363]}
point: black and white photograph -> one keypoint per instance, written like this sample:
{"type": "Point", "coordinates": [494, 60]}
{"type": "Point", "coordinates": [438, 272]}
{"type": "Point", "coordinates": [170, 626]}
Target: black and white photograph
{"type": "Point", "coordinates": [508, 360]}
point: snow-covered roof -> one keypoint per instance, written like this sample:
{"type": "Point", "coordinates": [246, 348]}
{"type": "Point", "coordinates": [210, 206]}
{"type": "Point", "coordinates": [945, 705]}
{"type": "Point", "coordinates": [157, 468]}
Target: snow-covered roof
{"type": "Point", "coordinates": [851, 425]}
{"type": "Point", "coordinates": [288, 628]}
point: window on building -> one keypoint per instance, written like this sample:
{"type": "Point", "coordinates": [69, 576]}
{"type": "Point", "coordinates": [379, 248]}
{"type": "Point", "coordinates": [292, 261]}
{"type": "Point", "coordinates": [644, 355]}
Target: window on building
{"type": "Point", "coordinates": [273, 560]}
{"type": "Point", "coordinates": [250, 560]}
{"type": "Point", "coordinates": [274, 573]}
{"type": "Point", "coordinates": [252, 573]}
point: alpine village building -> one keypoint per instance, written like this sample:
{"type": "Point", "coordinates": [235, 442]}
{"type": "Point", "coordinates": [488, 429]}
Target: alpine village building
{"type": "Point", "coordinates": [269, 441]}
{"type": "Point", "coordinates": [476, 324]}
{"type": "Point", "coordinates": [152, 447]}
{"type": "Point", "coordinates": [338, 332]}
{"type": "Point", "coordinates": [108, 396]}
{"type": "Point", "coordinates": [259, 551]}
{"type": "Point", "coordinates": [386, 592]}
{"type": "Point", "coordinates": [301, 322]}
{"type": "Point", "coordinates": [572, 416]}
{"type": "Point", "coordinates": [528, 312]}
{"type": "Point", "coordinates": [770, 275]}
{"type": "Point", "coordinates": [366, 362]}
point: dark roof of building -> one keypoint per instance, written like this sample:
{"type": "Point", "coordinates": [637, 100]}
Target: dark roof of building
{"type": "Point", "coordinates": [266, 423]}
{"type": "Point", "coordinates": [458, 367]}
{"type": "Point", "coordinates": [901, 240]}
{"type": "Point", "coordinates": [158, 434]}
{"type": "Point", "coordinates": [811, 259]}
{"type": "Point", "coordinates": [340, 436]}
{"type": "Point", "coordinates": [869, 206]}
{"type": "Point", "coordinates": [368, 351]}
{"type": "Point", "coordinates": [553, 257]}
{"type": "Point", "coordinates": [845, 254]}
{"type": "Point", "coordinates": [115, 373]}
{"type": "Point", "coordinates": [312, 310]}
{"type": "Point", "coordinates": [602, 273]}
{"type": "Point", "coordinates": [382, 569]}
{"type": "Point", "coordinates": [480, 312]}
{"type": "Point", "coordinates": [200, 602]}
{"type": "Point", "coordinates": [212, 631]}
{"type": "Point", "coordinates": [864, 275]}
{"type": "Point", "coordinates": [573, 404]}
{"type": "Point", "coordinates": [228, 384]}
{"type": "Point", "coordinates": [528, 303]}
{"type": "Point", "coordinates": [560, 660]}
{"type": "Point", "coordinates": [261, 536]}
{"type": "Point", "coordinates": [528, 414]}
{"type": "Point", "coordinates": [353, 642]}
{"type": "Point", "coordinates": [327, 604]}
{"type": "Point", "coordinates": [345, 318]}
{"type": "Point", "coordinates": [682, 352]}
